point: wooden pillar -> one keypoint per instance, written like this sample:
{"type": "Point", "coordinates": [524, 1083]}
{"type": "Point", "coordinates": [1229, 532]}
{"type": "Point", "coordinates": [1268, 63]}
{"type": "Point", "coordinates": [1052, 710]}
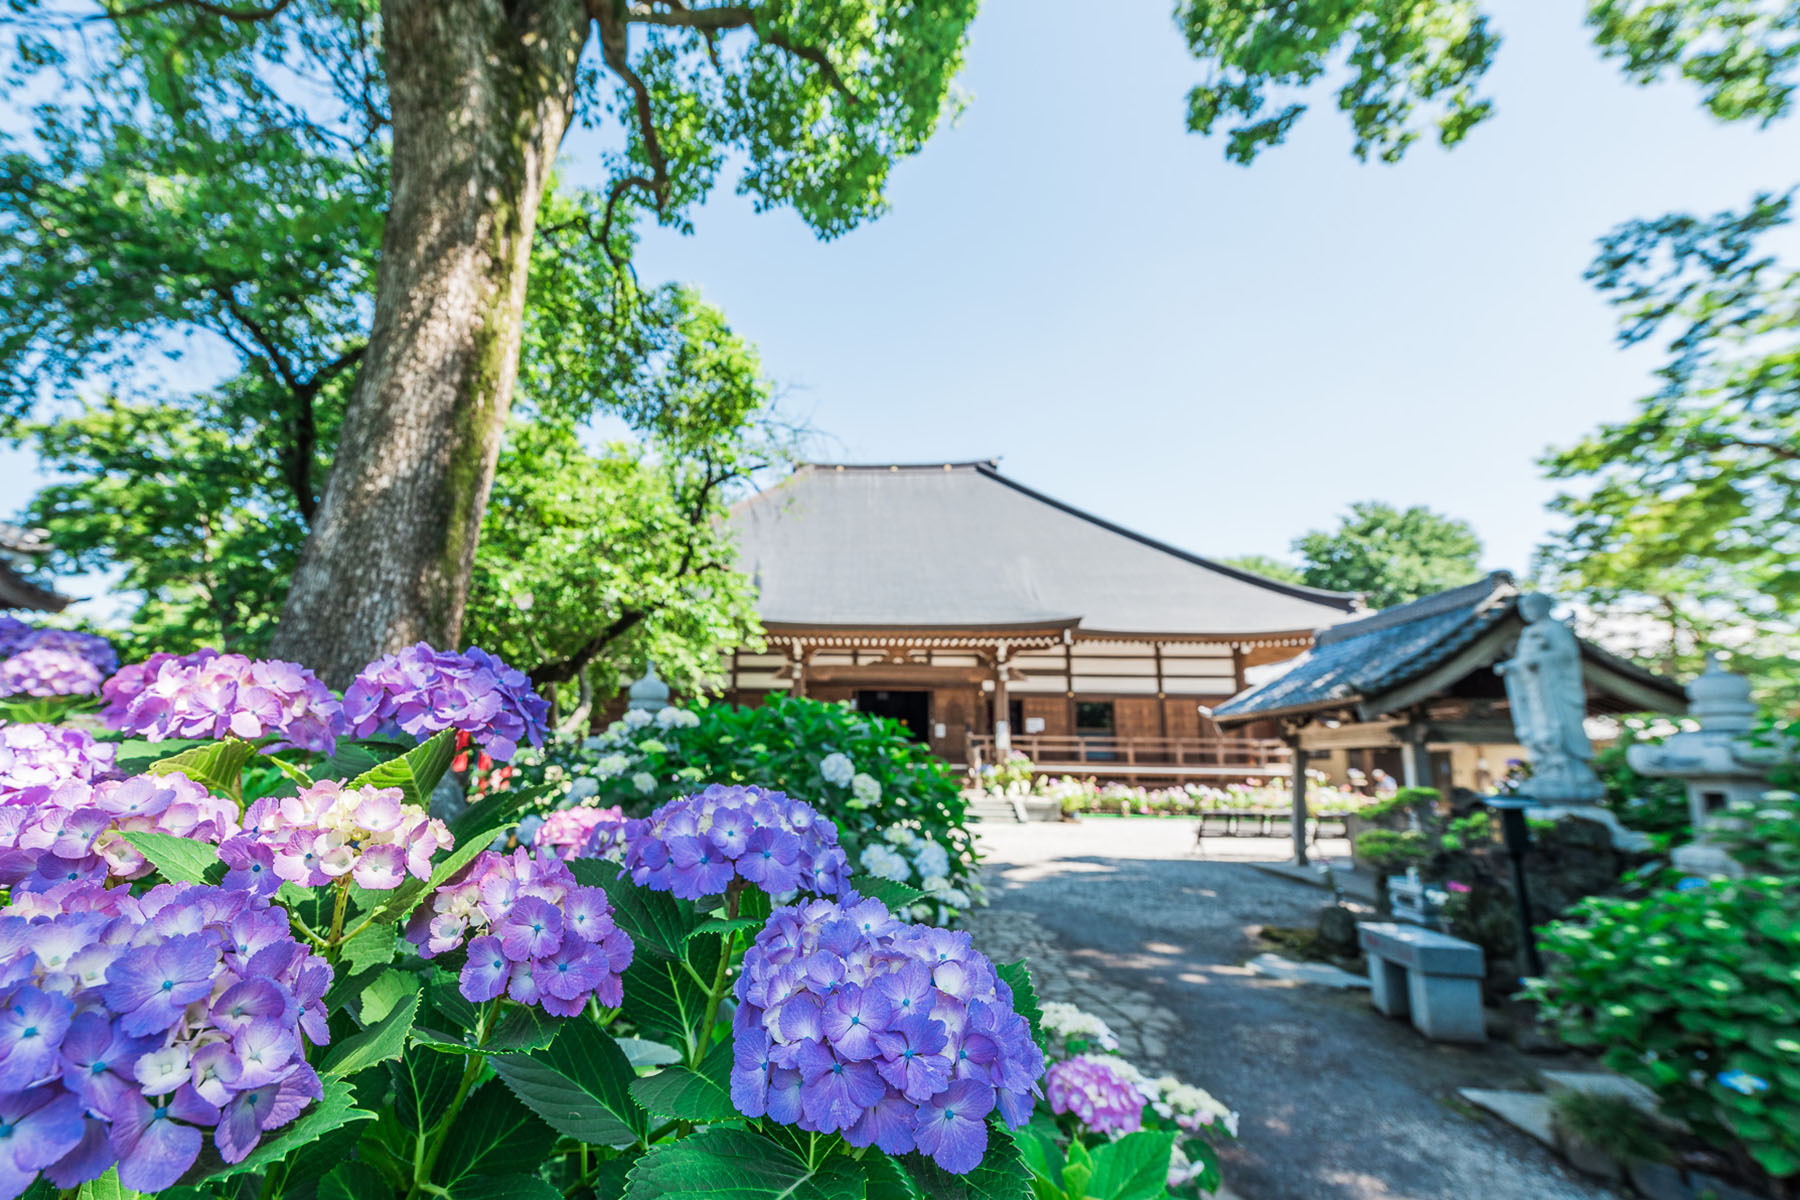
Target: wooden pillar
{"type": "Point", "coordinates": [1002, 707]}
{"type": "Point", "coordinates": [1299, 786]}
{"type": "Point", "coordinates": [797, 660]}
{"type": "Point", "coordinates": [1237, 668]}
{"type": "Point", "coordinates": [1162, 706]}
{"type": "Point", "coordinates": [1415, 759]}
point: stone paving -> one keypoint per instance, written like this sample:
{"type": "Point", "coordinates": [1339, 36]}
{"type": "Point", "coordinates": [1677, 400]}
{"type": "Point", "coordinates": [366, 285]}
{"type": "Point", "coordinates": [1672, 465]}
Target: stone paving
{"type": "Point", "coordinates": [1121, 918]}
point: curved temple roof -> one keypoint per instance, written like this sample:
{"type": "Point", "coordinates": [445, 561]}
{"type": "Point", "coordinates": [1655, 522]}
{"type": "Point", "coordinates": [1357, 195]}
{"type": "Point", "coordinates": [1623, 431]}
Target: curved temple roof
{"type": "Point", "coordinates": [960, 545]}
{"type": "Point", "coordinates": [1362, 665]}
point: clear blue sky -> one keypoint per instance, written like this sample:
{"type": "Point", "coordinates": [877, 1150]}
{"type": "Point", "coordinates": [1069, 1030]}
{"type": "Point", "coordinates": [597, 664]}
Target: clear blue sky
{"type": "Point", "coordinates": [1218, 356]}
{"type": "Point", "coordinates": [1223, 357]}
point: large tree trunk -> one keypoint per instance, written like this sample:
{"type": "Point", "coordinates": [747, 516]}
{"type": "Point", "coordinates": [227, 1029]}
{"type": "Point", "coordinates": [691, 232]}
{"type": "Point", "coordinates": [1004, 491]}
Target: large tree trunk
{"type": "Point", "coordinates": [481, 93]}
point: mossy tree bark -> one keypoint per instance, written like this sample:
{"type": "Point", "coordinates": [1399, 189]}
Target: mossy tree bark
{"type": "Point", "coordinates": [482, 92]}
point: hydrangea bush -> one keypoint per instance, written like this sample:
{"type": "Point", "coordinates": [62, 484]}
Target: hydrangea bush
{"type": "Point", "coordinates": [898, 809]}
{"type": "Point", "coordinates": [1694, 991]}
{"type": "Point", "coordinates": [1107, 1117]}
{"type": "Point", "coordinates": [239, 956]}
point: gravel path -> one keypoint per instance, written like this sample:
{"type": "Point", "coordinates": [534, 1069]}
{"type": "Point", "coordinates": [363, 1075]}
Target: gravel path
{"type": "Point", "coordinates": [1121, 917]}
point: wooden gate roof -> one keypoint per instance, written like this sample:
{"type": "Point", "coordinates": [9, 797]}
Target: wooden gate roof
{"type": "Point", "coordinates": [959, 545]}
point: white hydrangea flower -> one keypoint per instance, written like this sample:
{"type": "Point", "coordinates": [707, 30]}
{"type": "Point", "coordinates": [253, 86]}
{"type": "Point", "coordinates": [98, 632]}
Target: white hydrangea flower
{"type": "Point", "coordinates": [652, 746]}
{"type": "Point", "coordinates": [900, 835]}
{"type": "Point", "coordinates": [921, 912]}
{"type": "Point", "coordinates": [637, 718]}
{"type": "Point", "coordinates": [865, 791]}
{"type": "Point", "coordinates": [584, 787]}
{"type": "Point", "coordinates": [670, 717]}
{"type": "Point", "coordinates": [837, 768]}
{"type": "Point", "coordinates": [880, 861]}
{"type": "Point", "coordinates": [611, 767]}
{"type": "Point", "coordinates": [955, 897]}
{"type": "Point", "coordinates": [1064, 1021]}
{"type": "Point", "coordinates": [644, 782]}
{"type": "Point", "coordinates": [934, 885]}
{"type": "Point", "coordinates": [932, 860]}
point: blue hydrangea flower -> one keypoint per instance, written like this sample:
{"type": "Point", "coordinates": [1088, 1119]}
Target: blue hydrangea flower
{"type": "Point", "coordinates": [132, 1025]}
{"type": "Point", "coordinates": [893, 1035]}
{"type": "Point", "coordinates": [697, 845]}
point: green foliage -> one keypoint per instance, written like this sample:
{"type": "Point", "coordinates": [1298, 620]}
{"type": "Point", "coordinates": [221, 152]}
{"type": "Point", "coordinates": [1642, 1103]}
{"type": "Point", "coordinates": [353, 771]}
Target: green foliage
{"type": "Point", "coordinates": [1685, 511]}
{"type": "Point", "coordinates": [177, 859]}
{"type": "Point", "coordinates": [581, 1085]}
{"type": "Point", "coordinates": [1390, 555]}
{"type": "Point", "coordinates": [781, 745]}
{"type": "Point", "coordinates": [1407, 800]}
{"type": "Point", "coordinates": [1692, 990]}
{"type": "Point", "coordinates": [1742, 55]}
{"type": "Point", "coordinates": [1409, 66]}
{"type": "Point", "coordinates": [1764, 837]}
{"type": "Point", "coordinates": [416, 772]}
{"type": "Point", "coordinates": [1391, 852]}
{"type": "Point", "coordinates": [1651, 804]}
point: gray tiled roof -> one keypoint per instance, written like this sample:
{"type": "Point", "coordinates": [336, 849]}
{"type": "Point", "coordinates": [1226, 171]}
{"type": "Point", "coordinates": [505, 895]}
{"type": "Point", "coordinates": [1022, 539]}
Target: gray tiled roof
{"type": "Point", "coordinates": [960, 544]}
{"type": "Point", "coordinates": [1376, 654]}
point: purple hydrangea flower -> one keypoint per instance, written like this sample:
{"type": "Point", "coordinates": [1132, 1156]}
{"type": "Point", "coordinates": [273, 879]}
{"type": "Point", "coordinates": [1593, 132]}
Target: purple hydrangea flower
{"type": "Point", "coordinates": [206, 695]}
{"type": "Point", "coordinates": [77, 830]}
{"type": "Point", "coordinates": [56, 662]}
{"type": "Point", "coordinates": [326, 832]}
{"type": "Point", "coordinates": [539, 937]}
{"type": "Point", "coordinates": [897, 1036]}
{"type": "Point", "coordinates": [1101, 1096]}
{"type": "Point", "coordinates": [421, 691]}
{"type": "Point", "coordinates": [129, 682]}
{"type": "Point", "coordinates": [35, 758]}
{"type": "Point", "coordinates": [697, 845]}
{"type": "Point", "coordinates": [13, 633]}
{"type": "Point", "coordinates": [129, 1025]}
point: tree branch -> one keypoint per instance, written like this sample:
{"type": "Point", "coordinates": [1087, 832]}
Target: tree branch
{"type": "Point", "coordinates": [815, 56]}
{"type": "Point", "coordinates": [563, 670]}
{"type": "Point", "coordinates": [246, 15]}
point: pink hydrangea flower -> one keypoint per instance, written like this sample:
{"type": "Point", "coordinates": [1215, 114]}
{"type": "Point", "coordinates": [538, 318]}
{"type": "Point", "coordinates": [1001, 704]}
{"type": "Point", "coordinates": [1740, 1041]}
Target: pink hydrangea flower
{"type": "Point", "coordinates": [327, 832]}
{"type": "Point", "coordinates": [583, 831]}
{"type": "Point", "coordinates": [1103, 1097]}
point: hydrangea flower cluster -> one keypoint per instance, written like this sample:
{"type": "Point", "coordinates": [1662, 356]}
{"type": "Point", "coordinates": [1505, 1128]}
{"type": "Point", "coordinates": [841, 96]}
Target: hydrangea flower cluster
{"type": "Point", "coordinates": [35, 758]}
{"type": "Point", "coordinates": [1063, 1023]}
{"type": "Point", "coordinates": [130, 681]}
{"type": "Point", "coordinates": [421, 691]}
{"type": "Point", "coordinates": [539, 937]}
{"type": "Point", "coordinates": [130, 1024]}
{"type": "Point", "coordinates": [76, 830]}
{"type": "Point", "coordinates": [583, 831]}
{"type": "Point", "coordinates": [13, 632]}
{"type": "Point", "coordinates": [697, 845]}
{"type": "Point", "coordinates": [56, 662]}
{"type": "Point", "coordinates": [899, 1036]}
{"type": "Point", "coordinates": [837, 768]}
{"type": "Point", "coordinates": [904, 850]}
{"type": "Point", "coordinates": [326, 832]}
{"type": "Point", "coordinates": [208, 695]}
{"type": "Point", "coordinates": [1094, 1088]}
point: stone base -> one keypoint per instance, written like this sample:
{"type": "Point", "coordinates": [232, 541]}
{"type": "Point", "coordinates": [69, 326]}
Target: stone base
{"type": "Point", "coordinates": [1698, 858]}
{"type": "Point", "coordinates": [1622, 838]}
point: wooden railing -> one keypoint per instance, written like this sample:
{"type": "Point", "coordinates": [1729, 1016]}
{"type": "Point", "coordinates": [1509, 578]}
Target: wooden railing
{"type": "Point", "coordinates": [1063, 754]}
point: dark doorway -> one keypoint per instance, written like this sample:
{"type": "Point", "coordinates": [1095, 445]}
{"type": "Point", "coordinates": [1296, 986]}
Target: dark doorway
{"type": "Point", "coordinates": [911, 709]}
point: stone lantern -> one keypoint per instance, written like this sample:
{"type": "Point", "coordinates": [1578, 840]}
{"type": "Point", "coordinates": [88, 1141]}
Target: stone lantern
{"type": "Point", "coordinates": [649, 693]}
{"type": "Point", "coordinates": [1717, 762]}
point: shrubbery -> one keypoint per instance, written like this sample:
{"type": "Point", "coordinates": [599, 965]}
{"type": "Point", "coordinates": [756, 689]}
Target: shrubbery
{"type": "Point", "coordinates": [1694, 991]}
{"type": "Point", "coordinates": [249, 961]}
{"type": "Point", "coordinates": [899, 811]}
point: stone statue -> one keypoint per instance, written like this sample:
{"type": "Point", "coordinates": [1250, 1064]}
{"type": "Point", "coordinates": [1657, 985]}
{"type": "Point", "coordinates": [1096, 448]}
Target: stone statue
{"type": "Point", "coordinates": [1549, 704]}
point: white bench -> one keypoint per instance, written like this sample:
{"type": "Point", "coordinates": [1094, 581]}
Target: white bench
{"type": "Point", "coordinates": [1430, 976]}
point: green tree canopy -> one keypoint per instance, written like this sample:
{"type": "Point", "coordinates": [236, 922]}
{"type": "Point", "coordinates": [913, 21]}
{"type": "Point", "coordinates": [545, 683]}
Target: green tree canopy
{"type": "Point", "coordinates": [1390, 555]}
{"type": "Point", "coordinates": [1690, 509]}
